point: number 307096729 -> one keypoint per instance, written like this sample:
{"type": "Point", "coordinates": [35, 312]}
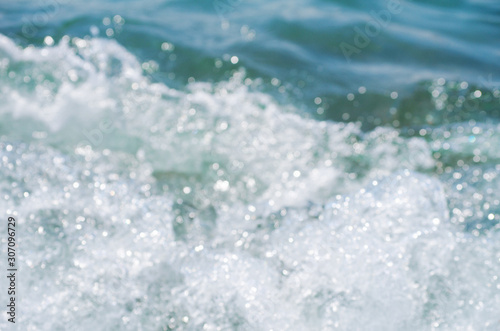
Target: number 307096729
{"type": "Point", "coordinates": [11, 251]}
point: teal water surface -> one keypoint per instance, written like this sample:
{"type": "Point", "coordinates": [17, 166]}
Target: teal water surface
{"type": "Point", "coordinates": [252, 165]}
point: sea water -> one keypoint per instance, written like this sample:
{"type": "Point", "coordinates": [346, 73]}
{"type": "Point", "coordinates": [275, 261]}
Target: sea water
{"type": "Point", "coordinates": [237, 165]}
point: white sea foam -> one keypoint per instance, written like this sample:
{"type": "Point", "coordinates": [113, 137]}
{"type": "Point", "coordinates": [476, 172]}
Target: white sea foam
{"type": "Point", "coordinates": [216, 207]}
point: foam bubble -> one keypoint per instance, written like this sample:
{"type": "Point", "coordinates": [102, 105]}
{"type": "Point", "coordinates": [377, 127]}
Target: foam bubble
{"type": "Point", "coordinates": [217, 207]}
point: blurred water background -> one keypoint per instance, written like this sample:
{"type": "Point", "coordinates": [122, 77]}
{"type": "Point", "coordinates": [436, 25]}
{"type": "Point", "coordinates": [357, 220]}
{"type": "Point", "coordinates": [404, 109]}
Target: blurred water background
{"type": "Point", "coordinates": [252, 165]}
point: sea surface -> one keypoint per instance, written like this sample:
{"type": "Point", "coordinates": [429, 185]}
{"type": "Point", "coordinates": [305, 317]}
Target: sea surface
{"type": "Point", "coordinates": [252, 165]}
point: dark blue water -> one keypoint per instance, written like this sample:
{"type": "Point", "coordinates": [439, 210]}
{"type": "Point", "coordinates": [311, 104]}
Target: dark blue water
{"type": "Point", "coordinates": [253, 165]}
{"type": "Point", "coordinates": [323, 49]}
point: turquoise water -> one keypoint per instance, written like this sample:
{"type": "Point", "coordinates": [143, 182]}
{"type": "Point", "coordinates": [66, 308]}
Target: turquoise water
{"type": "Point", "coordinates": [252, 165]}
